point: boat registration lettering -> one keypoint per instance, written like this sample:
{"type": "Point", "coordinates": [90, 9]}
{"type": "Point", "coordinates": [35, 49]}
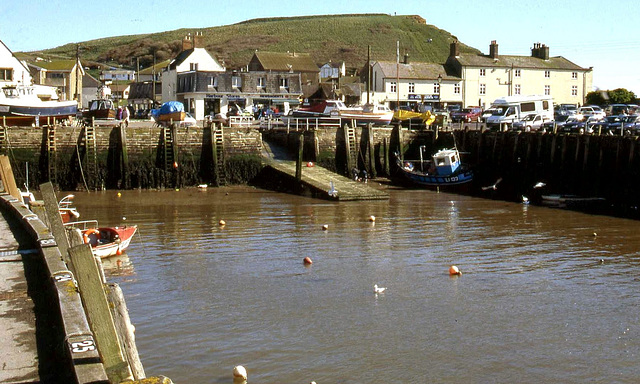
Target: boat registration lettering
{"type": "Point", "coordinates": [83, 346]}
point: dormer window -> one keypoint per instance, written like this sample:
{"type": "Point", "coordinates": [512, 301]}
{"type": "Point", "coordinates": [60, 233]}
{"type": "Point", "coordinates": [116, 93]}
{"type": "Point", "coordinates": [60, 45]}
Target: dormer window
{"type": "Point", "coordinates": [193, 66]}
{"type": "Point", "coordinates": [284, 83]}
{"type": "Point", "coordinates": [262, 82]}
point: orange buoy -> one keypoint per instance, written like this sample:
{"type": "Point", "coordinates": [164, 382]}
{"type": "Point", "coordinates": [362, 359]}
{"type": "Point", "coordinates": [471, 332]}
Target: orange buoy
{"type": "Point", "coordinates": [310, 164]}
{"type": "Point", "coordinates": [307, 261]}
{"type": "Point", "coordinates": [119, 252]}
{"type": "Point", "coordinates": [454, 271]}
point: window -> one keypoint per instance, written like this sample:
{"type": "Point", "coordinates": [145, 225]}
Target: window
{"type": "Point", "coordinates": [456, 89]}
{"type": "Point", "coordinates": [574, 90]}
{"type": "Point", "coordinates": [436, 88]}
{"type": "Point", "coordinates": [261, 82]}
{"type": "Point", "coordinates": [483, 72]}
{"type": "Point", "coordinates": [547, 74]}
{"type": "Point", "coordinates": [517, 89]}
{"type": "Point", "coordinates": [193, 66]}
{"type": "Point", "coordinates": [574, 75]}
{"type": "Point", "coordinates": [412, 87]}
{"type": "Point", "coordinates": [547, 90]}
{"type": "Point", "coordinates": [483, 89]}
{"type": "Point", "coordinates": [528, 107]}
{"type": "Point", "coordinates": [236, 81]}
{"type": "Point", "coordinates": [55, 75]}
{"type": "Point", "coordinates": [393, 87]}
{"type": "Point", "coordinates": [213, 81]}
{"type": "Point", "coordinates": [284, 83]}
{"type": "Point", "coordinates": [517, 73]}
{"type": "Point", "coordinates": [6, 74]}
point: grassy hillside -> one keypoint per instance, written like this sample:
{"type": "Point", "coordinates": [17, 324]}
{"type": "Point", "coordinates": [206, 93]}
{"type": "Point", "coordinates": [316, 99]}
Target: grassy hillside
{"type": "Point", "coordinates": [334, 37]}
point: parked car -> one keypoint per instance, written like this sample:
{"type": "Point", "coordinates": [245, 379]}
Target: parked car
{"type": "Point", "coordinates": [566, 109]}
{"type": "Point", "coordinates": [626, 123]}
{"type": "Point", "coordinates": [581, 126]}
{"type": "Point", "coordinates": [486, 113]}
{"type": "Point", "coordinates": [559, 121]}
{"type": "Point", "coordinates": [592, 111]}
{"type": "Point", "coordinates": [468, 114]}
{"type": "Point", "coordinates": [531, 122]}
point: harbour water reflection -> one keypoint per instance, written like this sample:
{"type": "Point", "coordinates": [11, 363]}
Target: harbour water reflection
{"type": "Point", "coordinates": [541, 298]}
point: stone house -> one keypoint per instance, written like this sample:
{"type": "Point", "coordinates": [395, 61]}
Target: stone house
{"type": "Point", "coordinates": [65, 75]}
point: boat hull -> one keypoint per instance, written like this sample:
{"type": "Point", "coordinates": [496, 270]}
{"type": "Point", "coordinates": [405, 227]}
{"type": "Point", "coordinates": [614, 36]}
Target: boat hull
{"type": "Point", "coordinates": [438, 180]}
{"type": "Point", "coordinates": [36, 115]}
{"type": "Point", "coordinates": [109, 241]}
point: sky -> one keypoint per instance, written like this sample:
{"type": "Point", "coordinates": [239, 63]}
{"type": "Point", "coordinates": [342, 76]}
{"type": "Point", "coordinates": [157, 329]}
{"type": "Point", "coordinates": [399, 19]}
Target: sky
{"type": "Point", "coordinates": [590, 33]}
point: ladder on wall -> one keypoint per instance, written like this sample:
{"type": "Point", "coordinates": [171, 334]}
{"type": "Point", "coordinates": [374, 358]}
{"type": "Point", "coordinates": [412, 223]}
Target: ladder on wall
{"type": "Point", "coordinates": [168, 146]}
{"type": "Point", "coordinates": [91, 162]}
{"type": "Point", "coordinates": [51, 153]}
{"type": "Point", "coordinates": [3, 139]}
{"type": "Point", "coordinates": [352, 145]}
{"type": "Point", "coordinates": [218, 142]}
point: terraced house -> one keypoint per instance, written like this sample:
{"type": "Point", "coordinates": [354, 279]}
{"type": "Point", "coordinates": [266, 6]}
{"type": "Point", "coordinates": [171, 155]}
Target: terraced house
{"type": "Point", "coordinates": [485, 78]}
{"type": "Point", "coordinates": [479, 79]}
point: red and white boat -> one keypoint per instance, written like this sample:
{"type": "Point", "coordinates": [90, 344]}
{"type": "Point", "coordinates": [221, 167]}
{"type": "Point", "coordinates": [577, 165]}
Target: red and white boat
{"type": "Point", "coordinates": [67, 212]}
{"type": "Point", "coordinates": [109, 241]}
{"type": "Point", "coordinates": [362, 115]}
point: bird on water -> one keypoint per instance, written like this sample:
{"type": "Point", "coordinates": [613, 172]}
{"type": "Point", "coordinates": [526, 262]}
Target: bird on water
{"type": "Point", "coordinates": [377, 289]}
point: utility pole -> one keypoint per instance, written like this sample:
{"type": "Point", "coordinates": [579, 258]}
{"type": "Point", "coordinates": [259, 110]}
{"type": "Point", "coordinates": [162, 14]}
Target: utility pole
{"type": "Point", "coordinates": [368, 73]}
{"type": "Point", "coordinates": [77, 95]}
{"type": "Point", "coordinates": [153, 81]}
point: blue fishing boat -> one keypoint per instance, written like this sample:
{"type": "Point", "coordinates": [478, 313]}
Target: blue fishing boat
{"type": "Point", "coordinates": [445, 168]}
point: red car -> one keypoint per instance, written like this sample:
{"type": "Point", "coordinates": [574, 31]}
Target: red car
{"type": "Point", "coordinates": [468, 114]}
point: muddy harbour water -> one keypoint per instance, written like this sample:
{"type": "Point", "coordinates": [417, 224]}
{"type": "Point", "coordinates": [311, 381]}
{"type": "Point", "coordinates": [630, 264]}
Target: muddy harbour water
{"type": "Point", "coordinates": [545, 295]}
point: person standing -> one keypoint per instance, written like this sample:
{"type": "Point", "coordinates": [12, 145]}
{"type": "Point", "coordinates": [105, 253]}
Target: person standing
{"type": "Point", "coordinates": [125, 116]}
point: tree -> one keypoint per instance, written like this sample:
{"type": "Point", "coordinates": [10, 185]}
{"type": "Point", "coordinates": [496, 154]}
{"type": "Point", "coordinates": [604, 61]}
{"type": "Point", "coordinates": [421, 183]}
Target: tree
{"type": "Point", "coordinates": [621, 96]}
{"type": "Point", "coordinates": [596, 98]}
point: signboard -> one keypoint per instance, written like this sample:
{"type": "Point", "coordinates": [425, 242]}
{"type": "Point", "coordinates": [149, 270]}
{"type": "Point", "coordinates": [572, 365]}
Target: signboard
{"type": "Point", "coordinates": [435, 97]}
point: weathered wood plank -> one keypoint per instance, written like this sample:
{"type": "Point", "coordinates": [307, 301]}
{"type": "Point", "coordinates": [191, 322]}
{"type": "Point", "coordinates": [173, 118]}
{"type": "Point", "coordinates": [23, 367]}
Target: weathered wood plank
{"type": "Point", "coordinates": [8, 180]}
{"type": "Point", "coordinates": [97, 307]}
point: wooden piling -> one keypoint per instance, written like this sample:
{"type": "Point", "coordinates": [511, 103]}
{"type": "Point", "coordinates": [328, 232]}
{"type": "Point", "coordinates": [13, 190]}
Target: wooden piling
{"type": "Point", "coordinates": [98, 313]}
{"type": "Point", "coordinates": [370, 151]}
{"type": "Point", "coordinates": [299, 158]}
{"type": "Point", "coordinates": [125, 157]}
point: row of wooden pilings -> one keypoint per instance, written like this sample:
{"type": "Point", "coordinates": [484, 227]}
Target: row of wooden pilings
{"type": "Point", "coordinates": [89, 166]}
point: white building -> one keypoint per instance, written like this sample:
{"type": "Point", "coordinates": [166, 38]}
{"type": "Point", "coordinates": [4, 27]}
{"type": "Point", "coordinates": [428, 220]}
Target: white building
{"type": "Point", "coordinates": [12, 70]}
{"type": "Point", "coordinates": [193, 58]}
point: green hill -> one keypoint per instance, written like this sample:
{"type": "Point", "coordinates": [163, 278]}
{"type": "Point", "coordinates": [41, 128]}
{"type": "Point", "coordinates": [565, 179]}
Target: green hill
{"type": "Point", "coordinates": [330, 37]}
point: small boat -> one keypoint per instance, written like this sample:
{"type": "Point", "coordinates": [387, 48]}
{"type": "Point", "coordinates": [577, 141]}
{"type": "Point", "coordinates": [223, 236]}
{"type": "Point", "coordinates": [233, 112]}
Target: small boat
{"type": "Point", "coordinates": [100, 109]}
{"type": "Point", "coordinates": [67, 212]}
{"type": "Point", "coordinates": [366, 114]}
{"type": "Point", "coordinates": [171, 111]}
{"type": "Point", "coordinates": [33, 105]}
{"type": "Point", "coordinates": [444, 169]}
{"type": "Point", "coordinates": [572, 201]}
{"type": "Point", "coordinates": [105, 241]}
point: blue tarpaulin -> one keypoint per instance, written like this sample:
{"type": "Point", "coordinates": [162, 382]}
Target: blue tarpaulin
{"type": "Point", "coordinates": [168, 107]}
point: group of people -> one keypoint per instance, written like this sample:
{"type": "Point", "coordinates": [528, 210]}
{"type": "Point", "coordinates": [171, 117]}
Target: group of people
{"type": "Point", "coordinates": [358, 175]}
{"type": "Point", "coordinates": [124, 115]}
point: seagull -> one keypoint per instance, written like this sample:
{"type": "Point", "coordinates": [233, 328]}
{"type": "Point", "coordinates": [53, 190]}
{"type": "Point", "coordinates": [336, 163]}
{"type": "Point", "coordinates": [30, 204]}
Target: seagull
{"type": "Point", "coordinates": [333, 192]}
{"type": "Point", "coordinates": [525, 199]}
{"type": "Point", "coordinates": [377, 289]}
{"type": "Point", "coordinates": [539, 184]}
{"type": "Point", "coordinates": [494, 186]}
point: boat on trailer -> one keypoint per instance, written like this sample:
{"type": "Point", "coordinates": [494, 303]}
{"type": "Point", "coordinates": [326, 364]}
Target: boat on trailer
{"type": "Point", "coordinates": [444, 169]}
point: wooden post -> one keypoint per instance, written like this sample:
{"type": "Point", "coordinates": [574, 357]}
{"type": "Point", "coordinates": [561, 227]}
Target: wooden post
{"type": "Point", "coordinates": [125, 157]}
{"type": "Point", "coordinates": [214, 154]}
{"type": "Point", "coordinates": [8, 180]}
{"type": "Point", "coordinates": [125, 329]}
{"type": "Point", "coordinates": [347, 152]}
{"type": "Point", "coordinates": [370, 158]}
{"type": "Point", "coordinates": [385, 157]}
{"type": "Point", "coordinates": [55, 221]}
{"type": "Point", "coordinates": [299, 159]}
{"type": "Point", "coordinates": [98, 313]}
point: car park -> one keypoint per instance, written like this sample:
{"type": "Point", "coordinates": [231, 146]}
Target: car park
{"type": "Point", "coordinates": [565, 109]}
{"type": "Point", "coordinates": [468, 114]}
{"type": "Point", "coordinates": [532, 122]}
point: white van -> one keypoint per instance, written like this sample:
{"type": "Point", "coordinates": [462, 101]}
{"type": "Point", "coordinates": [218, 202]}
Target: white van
{"type": "Point", "coordinates": [509, 109]}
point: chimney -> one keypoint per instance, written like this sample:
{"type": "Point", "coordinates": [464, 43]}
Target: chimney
{"type": "Point", "coordinates": [197, 40]}
{"type": "Point", "coordinates": [493, 49]}
{"type": "Point", "coordinates": [187, 42]}
{"type": "Point", "coordinates": [454, 49]}
{"type": "Point", "coordinates": [406, 58]}
{"type": "Point", "coordinates": [544, 52]}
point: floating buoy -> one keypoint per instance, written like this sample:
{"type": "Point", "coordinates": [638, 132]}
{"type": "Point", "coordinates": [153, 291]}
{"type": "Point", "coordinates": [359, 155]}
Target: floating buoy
{"type": "Point", "coordinates": [222, 223]}
{"type": "Point", "coordinates": [325, 227]}
{"type": "Point", "coordinates": [124, 218]}
{"type": "Point", "coordinates": [372, 218]}
{"type": "Point", "coordinates": [119, 252]}
{"type": "Point", "coordinates": [454, 271]}
{"type": "Point", "coordinates": [239, 372]}
{"type": "Point", "coordinates": [307, 261]}
{"type": "Point", "coordinates": [119, 194]}
{"type": "Point", "coordinates": [310, 164]}
{"type": "Point", "coordinates": [175, 164]}
{"type": "Point", "coordinates": [595, 234]}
